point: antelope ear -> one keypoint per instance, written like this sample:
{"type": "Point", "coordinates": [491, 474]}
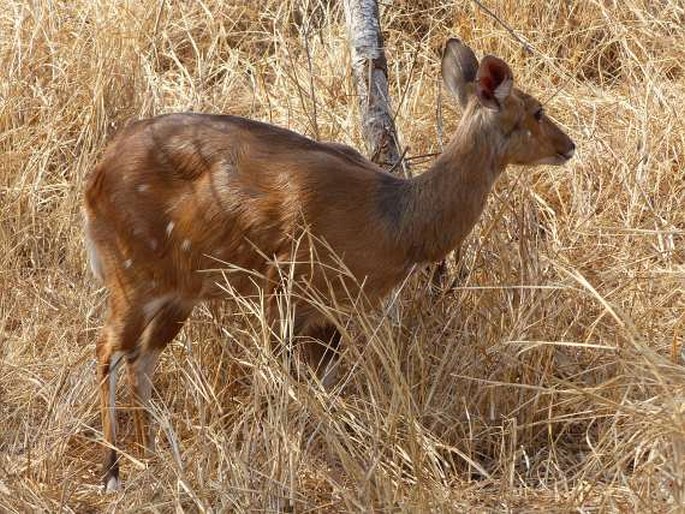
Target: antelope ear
{"type": "Point", "coordinates": [459, 67]}
{"type": "Point", "coordinates": [494, 82]}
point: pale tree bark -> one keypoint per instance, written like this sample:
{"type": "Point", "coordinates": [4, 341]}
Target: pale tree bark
{"type": "Point", "coordinates": [370, 71]}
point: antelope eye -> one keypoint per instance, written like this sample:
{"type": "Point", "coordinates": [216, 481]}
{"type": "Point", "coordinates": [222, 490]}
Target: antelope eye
{"type": "Point", "coordinates": [539, 114]}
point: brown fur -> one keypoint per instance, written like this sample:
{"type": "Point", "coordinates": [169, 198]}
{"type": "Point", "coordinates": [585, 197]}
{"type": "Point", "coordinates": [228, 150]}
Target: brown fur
{"type": "Point", "coordinates": [182, 193]}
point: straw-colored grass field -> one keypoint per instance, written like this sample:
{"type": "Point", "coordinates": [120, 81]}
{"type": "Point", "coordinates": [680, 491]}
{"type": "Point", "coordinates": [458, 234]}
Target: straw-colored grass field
{"type": "Point", "coordinates": [550, 378]}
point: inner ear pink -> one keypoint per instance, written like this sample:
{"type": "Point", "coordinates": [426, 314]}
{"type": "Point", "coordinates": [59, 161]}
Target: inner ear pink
{"type": "Point", "coordinates": [488, 83]}
{"type": "Point", "coordinates": [496, 75]}
{"type": "Point", "coordinates": [500, 75]}
{"type": "Point", "coordinates": [492, 73]}
{"type": "Point", "coordinates": [486, 87]}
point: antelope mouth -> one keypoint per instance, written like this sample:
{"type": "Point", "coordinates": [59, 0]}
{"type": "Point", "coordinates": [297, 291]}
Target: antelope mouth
{"type": "Point", "coordinates": [567, 156]}
{"type": "Point", "coordinates": [556, 160]}
{"type": "Point", "coordinates": [561, 157]}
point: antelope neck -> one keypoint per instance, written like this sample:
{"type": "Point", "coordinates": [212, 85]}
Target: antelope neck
{"type": "Point", "coordinates": [445, 202]}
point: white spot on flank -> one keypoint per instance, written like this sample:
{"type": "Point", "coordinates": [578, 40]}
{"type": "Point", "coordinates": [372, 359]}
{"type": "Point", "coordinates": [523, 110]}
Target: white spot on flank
{"type": "Point", "coordinates": [185, 246]}
{"type": "Point", "coordinates": [143, 187]}
{"type": "Point", "coordinates": [128, 263]}
{"type": "Point", "coordinates": [170, 228]}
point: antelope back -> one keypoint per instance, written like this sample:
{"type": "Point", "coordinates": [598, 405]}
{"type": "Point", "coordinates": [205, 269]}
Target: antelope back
{"type": "Point", "coordinates": [183, 193]}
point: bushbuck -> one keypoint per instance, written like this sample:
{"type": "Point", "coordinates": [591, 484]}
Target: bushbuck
{"type": "Point", "coordinates": [176, 195]}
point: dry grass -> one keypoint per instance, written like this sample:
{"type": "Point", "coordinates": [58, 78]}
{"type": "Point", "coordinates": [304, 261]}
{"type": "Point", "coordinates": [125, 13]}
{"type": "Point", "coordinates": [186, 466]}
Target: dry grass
{"type": "Point", "coordinates": [550, 379]}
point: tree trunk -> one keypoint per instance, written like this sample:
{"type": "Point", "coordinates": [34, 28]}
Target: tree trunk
{"type": "Point", "coordinates": [370, 71]}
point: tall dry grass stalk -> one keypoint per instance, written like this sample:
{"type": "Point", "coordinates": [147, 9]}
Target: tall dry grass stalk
{"type": "Point", "coordinates": [550, 378]}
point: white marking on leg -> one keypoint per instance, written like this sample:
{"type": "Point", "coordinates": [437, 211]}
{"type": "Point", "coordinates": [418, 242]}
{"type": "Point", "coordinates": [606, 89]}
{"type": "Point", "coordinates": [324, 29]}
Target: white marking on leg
{"type": "Point", "coordinates": [170, 228]}
{"type": "Point", "coordinates": [113, 485]}
{"type": "Point", "coordinates": [114, 362]}
{"type": "Point", "coordinates": [185, 246]}
{"type": "Point", "coordinates": [152, 307]}
{"type": "Point", "coordinates": [144, 371]}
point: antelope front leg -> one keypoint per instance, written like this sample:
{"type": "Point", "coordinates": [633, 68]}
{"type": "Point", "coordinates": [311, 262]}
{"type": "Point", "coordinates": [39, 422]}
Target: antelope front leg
{"type": "Point", "coordinates": [321, 352]}
{"type": "Point", "coordinates": [163, 325]}
{"type": "Point", "coordinates": [140, 366]}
